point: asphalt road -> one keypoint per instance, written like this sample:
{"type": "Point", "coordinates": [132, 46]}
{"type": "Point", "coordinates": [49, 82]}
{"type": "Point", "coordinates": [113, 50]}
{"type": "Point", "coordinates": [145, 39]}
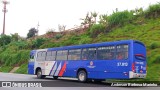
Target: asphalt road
{"type": "Point", "coordinates": [60, 84]}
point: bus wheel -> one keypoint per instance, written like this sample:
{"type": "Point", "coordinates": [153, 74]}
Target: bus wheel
{"type": "Point", "coordinates": [82, 76]}
{"type": "Point", "coordinates": [55, 77]}
{"type": "Point", "coordinates": [39, 74]}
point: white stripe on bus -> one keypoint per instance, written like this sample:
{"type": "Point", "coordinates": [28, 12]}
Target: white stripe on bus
{"type": "Point", "coordinates": [54, 69]}
{"type": "Point", "coordinates": [51, 70]}
{"type": "Point", "coordinates": [58, 70]}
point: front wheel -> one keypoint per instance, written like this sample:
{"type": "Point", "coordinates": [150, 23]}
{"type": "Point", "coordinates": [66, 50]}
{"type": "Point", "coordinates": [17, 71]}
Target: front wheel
{"type": "Point", "coordinates": [39, 74]}
{"type": "Point", "coordinates": [82, 76]}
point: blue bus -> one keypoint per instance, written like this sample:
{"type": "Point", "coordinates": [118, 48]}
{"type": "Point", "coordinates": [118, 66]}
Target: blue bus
{"type": "Point", "coordinates": [124, 59]}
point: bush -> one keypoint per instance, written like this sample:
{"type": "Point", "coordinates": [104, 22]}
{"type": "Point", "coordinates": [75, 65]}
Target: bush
{"type": "Point", "coordinates": [155, 45]}
{"type": "Point", "coordinates": [38, 42]}
{"type": "Point", "coordinates": [9, 58]}
{"type": "Point", "coordinates": [5, 40]}
{"type": "Point", "coordinates": [58, 36]}
{"type": "Point", "coordinates": [96, 29]}
{"type": "Point", "coordinates": [22, 45]}
{"type": "Point", "coordinates": [119, 18]}
{"type": "Point", "coordinates": [153, 57]}
{"type": "Point", "coordinates": [153, 11]}
{"type": "Point", "coordinates": [157, 59]}
{"type": "Point", "coordinates": [85, 40]}
{"type": "Point", "coordinates": [71, 41]}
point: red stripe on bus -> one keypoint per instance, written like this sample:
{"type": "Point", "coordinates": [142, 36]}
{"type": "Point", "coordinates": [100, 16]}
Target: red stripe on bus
{"type": "Point", "coordinates": [62, 70]}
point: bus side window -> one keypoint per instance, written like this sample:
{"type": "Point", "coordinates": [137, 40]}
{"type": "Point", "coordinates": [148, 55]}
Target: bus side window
{"type": "Point", "coordinates": [106, 53]}
{"type": "Point", "coordinates": [92, 54]}
{"type": "Point", "coordinates": [62, 55]}
{"type": "Point", "coordinates": [84, 54]}
{"type": "Point", "coordinates": [122, 52]}
{"type": "Point", "coordinates": [74, 54]}
{"type": "Point", "coordinates": [39, 54]}
{"type": "Point", "coordinates": [43, 56]}
{"type": "Point", "coordinates": [59, 55]}
{"type": "Point", "coordinates": [49, 56]}
{"type": "Point", "coordinates": [53, 55]}
{"type": "Point", "coordinates": [120, 56]}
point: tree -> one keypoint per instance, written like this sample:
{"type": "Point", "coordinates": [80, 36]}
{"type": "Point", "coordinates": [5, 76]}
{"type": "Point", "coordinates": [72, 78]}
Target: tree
{"type": "Point", "coordinates": [87, 19]}
{"type": "Point", "coordinates": [32, 32]}
{"type": "Point", "coordinates": [94, 14]}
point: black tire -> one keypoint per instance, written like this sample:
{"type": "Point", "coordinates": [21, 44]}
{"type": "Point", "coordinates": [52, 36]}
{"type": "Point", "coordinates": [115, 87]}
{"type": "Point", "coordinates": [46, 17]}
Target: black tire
{"type": "Point", "coordinates": [82, 76]}
{"type": "Point", "coordinates": [55, 77]}
{"type": "Point", "coordinates": [39, 74]}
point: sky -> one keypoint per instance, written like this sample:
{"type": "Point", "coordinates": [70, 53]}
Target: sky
{"type": "Point", "coordinates": [25, 14]}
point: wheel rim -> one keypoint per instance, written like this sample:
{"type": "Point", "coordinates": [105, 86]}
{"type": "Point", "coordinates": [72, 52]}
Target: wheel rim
{"type": "Point", "coordinates": [81, 76]}
{"type": "Point", "coordinates": [39, 74]}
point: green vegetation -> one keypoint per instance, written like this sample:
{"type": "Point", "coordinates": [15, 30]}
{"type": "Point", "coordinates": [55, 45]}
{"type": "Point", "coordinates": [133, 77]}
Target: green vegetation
{"type": "Point", "coordinates": [58, 36]}
{"type": "Point", "coordinates": [155, 45]}
{"type": "Point", "coordinates": [153, 73]}
{"type": "Point", "coordinates": [96, 29]}
{"type": "Point", "coordinates": [153, 11]}
{"type": "Point", "coordinates": [5, 68]}
{"type": "Point", "coordinates": [120, 18]}
{"type": "Point", "coordinates": [4, 40]}
{"type": "Point", "coordinates": [121, 25]}
{"type": "Point", "coordinates": [22, 69]}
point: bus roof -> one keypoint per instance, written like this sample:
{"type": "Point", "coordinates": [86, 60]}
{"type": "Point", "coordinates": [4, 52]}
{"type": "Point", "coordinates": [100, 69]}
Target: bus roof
{"type": "Point", "coordinates": [92, 45]}
{"type": "Point", "coordinates": [89, 45]}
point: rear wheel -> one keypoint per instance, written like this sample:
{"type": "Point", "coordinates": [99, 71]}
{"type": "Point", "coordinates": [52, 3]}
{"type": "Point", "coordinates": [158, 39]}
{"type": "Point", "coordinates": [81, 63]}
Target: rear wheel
{"type": "Point", "coordinates": [39, 74]}
{"type": "Point", "coordinates": [82, 76]}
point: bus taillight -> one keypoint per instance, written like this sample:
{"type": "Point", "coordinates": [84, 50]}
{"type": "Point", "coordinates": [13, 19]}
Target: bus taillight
{"type": "Point", "coordinates": [133, 67]}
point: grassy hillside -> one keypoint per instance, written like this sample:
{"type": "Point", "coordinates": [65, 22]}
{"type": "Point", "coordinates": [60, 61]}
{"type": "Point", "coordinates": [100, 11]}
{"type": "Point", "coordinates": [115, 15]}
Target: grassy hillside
{"type": "Point", "coordinates": [144, 26]}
